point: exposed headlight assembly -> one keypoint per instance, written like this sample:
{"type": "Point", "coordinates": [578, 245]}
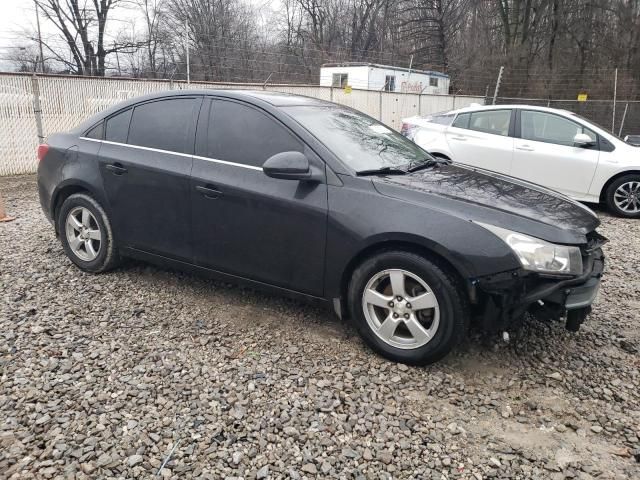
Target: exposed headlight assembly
{"type": "Point", "coordinates": [538, 255]}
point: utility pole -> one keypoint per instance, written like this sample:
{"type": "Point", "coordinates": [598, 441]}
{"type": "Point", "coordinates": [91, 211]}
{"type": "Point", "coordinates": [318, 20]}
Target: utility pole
{"type": "Point", "coordinates": [39, 37]}
{"type": "Point", "coordinates": [186, 47]}
{"type": "Point", "coordinates": [495, 93]}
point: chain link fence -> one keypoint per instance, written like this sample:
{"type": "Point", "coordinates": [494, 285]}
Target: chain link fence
{"type": "Point", "coordinates": [32, 106]}
{"type": "Point", "coordinates": [59, 103]}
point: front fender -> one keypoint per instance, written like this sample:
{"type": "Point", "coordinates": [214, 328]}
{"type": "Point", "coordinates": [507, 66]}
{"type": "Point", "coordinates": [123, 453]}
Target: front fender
{"type": "Point", "coordinates": [361, 218]}
{"type": "Point", "coordinates": [465, 268]}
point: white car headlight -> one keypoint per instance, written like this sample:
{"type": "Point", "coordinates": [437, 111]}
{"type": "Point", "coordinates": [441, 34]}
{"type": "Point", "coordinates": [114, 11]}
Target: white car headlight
{"type": "Point", "coordinates": [538, 255]}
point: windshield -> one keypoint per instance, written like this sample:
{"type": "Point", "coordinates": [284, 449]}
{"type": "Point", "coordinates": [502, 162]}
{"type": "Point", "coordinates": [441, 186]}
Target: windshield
{"type": "Point", "coordinates": [359, 141]}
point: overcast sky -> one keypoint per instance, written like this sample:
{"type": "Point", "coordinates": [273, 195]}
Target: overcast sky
{"type": "Point", "coordinates": [18, 17]}
{"type": "Point", "coordinates": [15, 15]}
{"type": "Point", "coordinates": [18, 20]}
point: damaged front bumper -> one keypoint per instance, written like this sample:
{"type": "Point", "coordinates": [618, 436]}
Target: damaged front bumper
{"type": "Point", "coordinates": [502, 300]}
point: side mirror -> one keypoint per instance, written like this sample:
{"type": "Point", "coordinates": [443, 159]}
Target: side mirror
{"type": "Point", "coordinates": [288, 166]}
{"type": "Point", "coordinates": [583, 140]}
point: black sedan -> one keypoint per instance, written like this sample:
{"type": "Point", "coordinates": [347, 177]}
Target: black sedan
{"type": "Point", "coordinates": [319, 201]}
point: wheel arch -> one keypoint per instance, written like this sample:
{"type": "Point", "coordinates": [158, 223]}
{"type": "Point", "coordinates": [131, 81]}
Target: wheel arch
{"type": "Point", "coordinates": [457, 271]}
{"type": "Point", "coordinates": [64, 191]}
{"type": "Point", "coordinates": [605, 187]}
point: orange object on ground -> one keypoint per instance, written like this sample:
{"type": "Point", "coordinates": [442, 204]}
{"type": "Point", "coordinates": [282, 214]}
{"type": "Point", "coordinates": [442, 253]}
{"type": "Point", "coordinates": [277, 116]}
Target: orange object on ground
{"type": "Point", "coordinates": [3, 213]}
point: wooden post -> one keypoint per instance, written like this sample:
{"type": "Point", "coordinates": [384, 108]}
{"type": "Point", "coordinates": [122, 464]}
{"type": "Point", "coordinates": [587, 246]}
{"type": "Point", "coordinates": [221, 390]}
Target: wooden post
{"type": "Point", "coordinates": [3, 213]}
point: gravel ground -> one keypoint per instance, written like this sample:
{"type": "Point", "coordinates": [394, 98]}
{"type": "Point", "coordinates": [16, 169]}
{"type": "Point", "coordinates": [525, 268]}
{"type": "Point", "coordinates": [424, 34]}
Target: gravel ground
{"type": "Point", "coordinates": [109, 376]}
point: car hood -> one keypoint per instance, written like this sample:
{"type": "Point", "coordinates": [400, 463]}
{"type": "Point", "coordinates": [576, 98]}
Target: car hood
{"type": "Point", "coordinates": [487, 197]}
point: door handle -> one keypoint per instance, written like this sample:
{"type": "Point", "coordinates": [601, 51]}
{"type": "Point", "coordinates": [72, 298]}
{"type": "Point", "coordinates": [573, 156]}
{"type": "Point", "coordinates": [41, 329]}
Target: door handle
{"type": "Point", "coordinates": [462, 139]}
{"type": "Point", "coordinates": [526, 148]}
{"type": "Point", "coordinates": [208, 191]}
{"type": "Point", "coordinates": [116, 168]}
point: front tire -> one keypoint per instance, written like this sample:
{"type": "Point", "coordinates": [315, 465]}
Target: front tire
{"type": "Point", "coordinates": [86, 234]}
{"type": "Point", "coordinates": [407, 308]}
{"type": "Point", "coordinates": [623, 196]}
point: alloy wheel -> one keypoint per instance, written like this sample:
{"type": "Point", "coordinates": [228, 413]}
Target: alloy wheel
{"type": "Point", "coordinates": [627, 197]}
{"type": "Point", "coordinates": [83, 234]}
{"type": "Point", "coordinates": [401, 309]}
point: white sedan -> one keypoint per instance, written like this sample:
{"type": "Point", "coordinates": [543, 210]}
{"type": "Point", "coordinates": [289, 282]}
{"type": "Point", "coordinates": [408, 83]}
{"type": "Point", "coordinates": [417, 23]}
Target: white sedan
{"type": "Point", "coordinates": [554, 148]}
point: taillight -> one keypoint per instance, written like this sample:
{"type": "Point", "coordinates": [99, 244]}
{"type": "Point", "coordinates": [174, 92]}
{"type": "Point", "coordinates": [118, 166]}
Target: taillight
{"type": "Point", "coordinates": [408, 130]}
{"type": "Point", "coordinates": [43, 148]}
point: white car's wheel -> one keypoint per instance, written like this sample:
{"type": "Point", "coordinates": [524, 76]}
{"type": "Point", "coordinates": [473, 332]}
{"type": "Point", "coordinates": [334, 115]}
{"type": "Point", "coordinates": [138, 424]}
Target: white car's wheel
{"type": "Point", "coordinates": [623, 196]}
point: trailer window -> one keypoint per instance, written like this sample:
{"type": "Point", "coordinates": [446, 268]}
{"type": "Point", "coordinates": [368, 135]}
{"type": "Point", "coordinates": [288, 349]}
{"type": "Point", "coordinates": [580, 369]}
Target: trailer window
{"type": "Point", "coordinates": [340, 80]}
{"type": "Point", "coordinates": [390, 83]}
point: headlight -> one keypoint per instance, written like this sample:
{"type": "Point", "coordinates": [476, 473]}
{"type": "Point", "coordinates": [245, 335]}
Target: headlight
{"type": "Point", "coordinates": [538, 255]}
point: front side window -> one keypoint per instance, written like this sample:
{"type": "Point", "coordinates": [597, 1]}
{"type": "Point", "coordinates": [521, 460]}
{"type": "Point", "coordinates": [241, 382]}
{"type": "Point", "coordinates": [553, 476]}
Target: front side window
{"type": "Point", "coordinates": [495, 122]}
{"type": "Point", "coordinates": [340, 80]}
{"type": "Point", "coordinates": [550, 128]}
{"type": "Point", "coordinates": [117, 127]}
{"type": "Point", "coordinates": [163, 124]}
{"type": "Point", "coordinates": [390, 83]}
{"type": "Point", "coordinates": [359, 141]}
{"type": "Point", "coordinates": [241, 134]}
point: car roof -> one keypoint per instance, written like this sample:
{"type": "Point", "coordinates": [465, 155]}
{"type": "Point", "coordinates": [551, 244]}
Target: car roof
{"type": "Point", "coordinates": [274, 99]}
{"type": "Point", "coordinates": [477, 107]}
{"type": "Point", "coordinates": [277, 99]}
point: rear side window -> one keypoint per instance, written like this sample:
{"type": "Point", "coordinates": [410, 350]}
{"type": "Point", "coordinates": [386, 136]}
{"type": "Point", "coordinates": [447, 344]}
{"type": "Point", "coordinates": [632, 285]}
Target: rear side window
{"type": "Point", "coordinates": [95, 132]}
{"type": "Point", "coordinates": [163, 124]}
{"type": "Point", "coordinates": [117, 127]}
{"type": "Point", "coordinates": [241, 134]}
{"type": "Point", "coordinates": [495, 122]}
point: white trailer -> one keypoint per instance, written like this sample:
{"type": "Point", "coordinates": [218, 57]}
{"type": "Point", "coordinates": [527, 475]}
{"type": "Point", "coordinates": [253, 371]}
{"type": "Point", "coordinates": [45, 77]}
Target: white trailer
{"type": "Point", "coordinates": [371, 76]}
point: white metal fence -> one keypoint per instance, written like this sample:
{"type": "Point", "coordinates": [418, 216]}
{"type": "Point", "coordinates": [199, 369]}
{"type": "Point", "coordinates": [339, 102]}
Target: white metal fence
{"type": "Point", "coordinates": [65, 101]}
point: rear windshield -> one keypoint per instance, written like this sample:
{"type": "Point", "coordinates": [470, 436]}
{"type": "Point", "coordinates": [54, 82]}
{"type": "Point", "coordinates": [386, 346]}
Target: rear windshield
{"type": "Point", "coordinates": [357, 139]}
{"type": "Point", "coordinates": [443, 118]}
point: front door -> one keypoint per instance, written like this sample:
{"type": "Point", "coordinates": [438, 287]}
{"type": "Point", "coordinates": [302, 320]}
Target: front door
{"type": "Point", "coordinates": [145, 162]}
{"type": "Point", "coordinates": [545, 153]}
{"type": "Point", "coordinates": [482, 139]}
{"type": "Point", "coordinates": [248, 224]}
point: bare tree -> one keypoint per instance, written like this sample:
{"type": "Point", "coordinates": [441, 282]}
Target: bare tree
{"type": "Point", "coordinates": [82, 24]}
{"type": "Point", "coordinates": [24, 58]}
{"type": "Point", "coordinates": [431, 26]}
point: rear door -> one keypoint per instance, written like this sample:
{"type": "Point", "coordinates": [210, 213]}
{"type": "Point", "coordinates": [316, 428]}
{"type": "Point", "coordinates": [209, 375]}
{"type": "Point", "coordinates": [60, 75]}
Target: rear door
{"type": "Point", "coordinates": [248, 224]}
{"type": "Point", "coordinates": [483, 139]}
{"type": "Point", "coordinates": [545, 153]}
{"type": "Point", "coordinates": [145, 162]}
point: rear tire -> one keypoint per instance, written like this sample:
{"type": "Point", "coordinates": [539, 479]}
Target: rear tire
{"type": "Point", "coordinates": [86, 234]}
{"type": "Point", "coordinates": [380, 295]}
{"type": "Point", "coordinates": [623, 196]}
